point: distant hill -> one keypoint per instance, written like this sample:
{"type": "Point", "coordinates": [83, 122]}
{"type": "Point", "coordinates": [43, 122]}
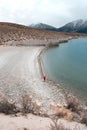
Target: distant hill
{"type": "Point", "coordinates": [11, 33]}
{"type": "Point", "coordinates": [16, 32]}
{"type": "Point", "coordinates": [44, 26]}
{"type": "Point", "coordinates": [79, 26]}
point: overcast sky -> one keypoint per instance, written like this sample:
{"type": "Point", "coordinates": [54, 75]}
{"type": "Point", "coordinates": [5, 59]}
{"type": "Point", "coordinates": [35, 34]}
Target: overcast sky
{"type": "Point", "coordinates": [53, 12]}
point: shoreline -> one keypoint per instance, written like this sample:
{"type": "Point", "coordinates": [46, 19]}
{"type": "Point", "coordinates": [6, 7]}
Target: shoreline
{"type": "Point", "coordinates": [42, 72]}
{"type": "Point", "coordinates": [40, 68]}
{"type": "Point", "coordinates": [65, 90]}
{"type": "Point", "coordinates": [24, 77]}
{"type": "Point", "coordinates": [44, 121]}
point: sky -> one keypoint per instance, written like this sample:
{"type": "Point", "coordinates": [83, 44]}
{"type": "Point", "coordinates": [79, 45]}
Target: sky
{"type": "Point", "coordinates": [53, 12]}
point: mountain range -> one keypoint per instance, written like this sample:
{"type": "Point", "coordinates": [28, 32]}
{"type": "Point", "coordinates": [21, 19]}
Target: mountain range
{"type": "Point", "coordinates": [78, 26]}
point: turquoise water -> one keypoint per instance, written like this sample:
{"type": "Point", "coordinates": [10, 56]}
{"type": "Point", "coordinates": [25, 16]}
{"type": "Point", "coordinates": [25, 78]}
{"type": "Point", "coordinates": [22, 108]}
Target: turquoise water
{"type": "Point", "coordinates": [67, 65]}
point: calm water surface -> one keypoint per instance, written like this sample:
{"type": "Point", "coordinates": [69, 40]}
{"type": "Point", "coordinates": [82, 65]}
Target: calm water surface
{"type": "Point", "coordinates": [67, 65]}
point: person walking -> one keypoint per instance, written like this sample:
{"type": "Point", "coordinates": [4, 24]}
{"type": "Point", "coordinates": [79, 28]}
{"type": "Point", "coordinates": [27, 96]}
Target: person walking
{"type": "Point", "coordinates": [44, 77]}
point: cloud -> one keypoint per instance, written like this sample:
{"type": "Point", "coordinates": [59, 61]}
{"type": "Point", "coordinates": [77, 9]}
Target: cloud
{"type": "Point", "coordinates": [53, 12]}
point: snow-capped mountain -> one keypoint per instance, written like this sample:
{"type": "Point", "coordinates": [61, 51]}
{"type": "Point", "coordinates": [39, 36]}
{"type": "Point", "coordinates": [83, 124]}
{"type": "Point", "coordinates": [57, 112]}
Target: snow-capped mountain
{"type": "Point", "coordinates": [79, 26]}
{"type": "Point", "coordinates": [43, 26]}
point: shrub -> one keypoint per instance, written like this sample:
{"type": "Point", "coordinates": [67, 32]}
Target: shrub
{"type": "Point", "coordinates": [7, 107]}
{"type": "Point", "coordinates": [84, 117]}
{"type": "Point", "coordinates": [28, 106]}
{"type": "Point", "coordinates": [60, 127]}
{"type": "Point", "coordinates": [26, 103]}
{"type": "Point", "coordinates": [72, 103]}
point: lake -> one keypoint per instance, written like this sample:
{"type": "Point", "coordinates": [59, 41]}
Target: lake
{"type": "Point", "coordinates": [67, 65]}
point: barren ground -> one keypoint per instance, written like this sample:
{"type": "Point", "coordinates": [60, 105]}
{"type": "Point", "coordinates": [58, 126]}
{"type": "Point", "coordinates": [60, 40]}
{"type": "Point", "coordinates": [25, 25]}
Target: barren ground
{"type": "Point", "coordinates": [20, 75]}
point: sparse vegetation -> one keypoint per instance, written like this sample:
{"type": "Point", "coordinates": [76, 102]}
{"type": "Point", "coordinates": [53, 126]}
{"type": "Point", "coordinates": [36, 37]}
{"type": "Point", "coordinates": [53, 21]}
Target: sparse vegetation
{"type": "Point", "coordinates": [27, 105]}
{"type": "Point", "coordinates": [84, 118]}
{"type": "Point", "coordinates": [72, 103]}
{"type": "Point", "coordinates": [61, 127]}
{"type": "Point", "coordinates": [8, 107]}
{"type": "Point", "coordinates": [15, 32]}
{"type": "Point", "coordinates": [30, 106]}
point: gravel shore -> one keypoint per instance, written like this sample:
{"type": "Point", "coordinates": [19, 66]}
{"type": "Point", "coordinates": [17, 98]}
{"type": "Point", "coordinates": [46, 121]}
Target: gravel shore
{"type": "Point", "coordinates": [20, 74]}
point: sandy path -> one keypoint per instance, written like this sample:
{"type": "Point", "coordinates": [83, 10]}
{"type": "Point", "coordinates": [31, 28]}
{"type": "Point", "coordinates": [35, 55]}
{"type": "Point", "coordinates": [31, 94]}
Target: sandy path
{"type": "Point", "coordinates": [32, 122]}
{"type": "Point", "coordinates": [19, 74]}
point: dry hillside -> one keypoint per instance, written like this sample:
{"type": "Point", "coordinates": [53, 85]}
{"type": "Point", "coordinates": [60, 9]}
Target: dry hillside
{"type": "Point", "coordinates": [16, 32]}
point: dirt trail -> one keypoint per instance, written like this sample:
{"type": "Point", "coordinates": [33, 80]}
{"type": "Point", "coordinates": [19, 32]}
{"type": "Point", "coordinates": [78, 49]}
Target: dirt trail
{"type": "Point", "coordinates": [19, 74]}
